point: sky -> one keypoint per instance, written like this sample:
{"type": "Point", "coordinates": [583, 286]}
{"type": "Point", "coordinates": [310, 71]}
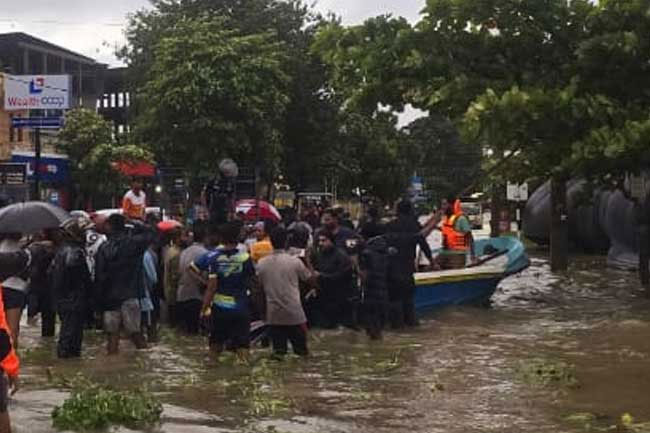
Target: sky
{"type": "Point", "coordinates": [95, 28]}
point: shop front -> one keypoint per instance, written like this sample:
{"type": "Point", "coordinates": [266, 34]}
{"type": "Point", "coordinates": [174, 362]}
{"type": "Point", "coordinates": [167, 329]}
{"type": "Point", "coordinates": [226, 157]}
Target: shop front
{"type": "Point", "coordinates": [54, 175]}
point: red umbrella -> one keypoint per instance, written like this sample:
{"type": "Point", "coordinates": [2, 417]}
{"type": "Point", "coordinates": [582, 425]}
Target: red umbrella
{"type": "Point", "coordinates": [251, 213]}
{"type": "Point", "coordinates": [169, 225]}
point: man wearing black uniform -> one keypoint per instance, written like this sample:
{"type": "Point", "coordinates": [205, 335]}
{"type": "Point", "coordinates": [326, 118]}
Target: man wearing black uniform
{"type": "Point", "coordinates": [349, 242]}
{"type": "Point", "coordinates": [71, 286]}
{"type": "Point", "coordinates": [403, 235]}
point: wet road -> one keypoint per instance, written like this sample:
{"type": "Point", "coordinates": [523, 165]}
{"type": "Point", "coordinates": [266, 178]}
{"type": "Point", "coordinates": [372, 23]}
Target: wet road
{"type": "Point", "coordinates": [458, 372]}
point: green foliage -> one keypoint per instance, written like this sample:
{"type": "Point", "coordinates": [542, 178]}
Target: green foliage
{"type": "Point", "coordinates": [545, 372]}
{"type": "Point", "coordinates": [446, 163]}
{"type": "Point", "coordinates": [87, 139]}
{"type": "Point", "coordinates": [84, 130]}
{"type": "Point", "coordinates": [264, 102]}
{"type": "Point", "coordinates": [211, 93]}
{"type": "Point", "coordinates": [92, 406]}
{"type": "Point", "coordinates": [554, 86]}
{"type": "Point", "coordinates": [371, 63]}
{"type": "Point", "coordinates": [371, 154]}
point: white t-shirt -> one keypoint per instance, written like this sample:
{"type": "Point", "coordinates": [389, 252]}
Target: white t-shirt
{"type": "Point", "coordinates": [134, 206]}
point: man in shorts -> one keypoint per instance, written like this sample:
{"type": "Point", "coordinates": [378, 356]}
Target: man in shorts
{"type": "Point", "coordinates": [119, 280]}
{"type": "Point", "coordinates": [226, 299]}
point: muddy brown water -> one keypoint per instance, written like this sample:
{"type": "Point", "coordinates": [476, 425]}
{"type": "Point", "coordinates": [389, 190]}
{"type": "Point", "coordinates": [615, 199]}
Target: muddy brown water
{"type": "Point", "coordinates": [456, 373]}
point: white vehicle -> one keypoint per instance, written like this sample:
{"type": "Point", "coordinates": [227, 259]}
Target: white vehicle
{"type": "Point", "coordinates": [109, 212]}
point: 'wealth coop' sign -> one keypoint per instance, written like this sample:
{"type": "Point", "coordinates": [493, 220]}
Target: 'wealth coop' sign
{"type": "Point", "coordinates": [36, 92]}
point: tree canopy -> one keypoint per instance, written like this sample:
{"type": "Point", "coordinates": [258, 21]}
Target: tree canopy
{"type": "Point", "coordinates": [554, 86]}
{"type": "Point", "coordinates": [88, 141]}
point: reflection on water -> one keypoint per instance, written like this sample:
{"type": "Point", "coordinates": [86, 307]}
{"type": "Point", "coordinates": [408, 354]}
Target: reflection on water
{"type": "Point", "coordinates": [456, 373]}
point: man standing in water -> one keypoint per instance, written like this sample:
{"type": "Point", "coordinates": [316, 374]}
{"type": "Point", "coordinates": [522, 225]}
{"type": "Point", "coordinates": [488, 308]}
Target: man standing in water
{"type": "Point", "coordinates": [71, 286]}
{"type": "Point", "coordinates": [226, 298]}
{"type": "Point", "coordinates": [190, 286]}
{"type": "Point", "coordinates": [280, 274]}
{"type": "Point", "coordinates": [403, 235]}
{"type": "Point", "coordinates": [335, 281]}
{"type": "Point", "coordinates": [119, 280]}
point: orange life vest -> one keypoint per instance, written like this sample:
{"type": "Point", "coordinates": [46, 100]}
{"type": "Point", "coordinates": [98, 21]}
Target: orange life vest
{"type": "Point", "coordinates": [452, 239]}
{"type": "Point", "coordinates": [10, 363]}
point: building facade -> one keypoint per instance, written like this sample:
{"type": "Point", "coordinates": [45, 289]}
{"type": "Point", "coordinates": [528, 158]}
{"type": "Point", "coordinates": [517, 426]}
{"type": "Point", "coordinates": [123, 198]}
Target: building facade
{"type": "Point", "coordinates": [22, 54]}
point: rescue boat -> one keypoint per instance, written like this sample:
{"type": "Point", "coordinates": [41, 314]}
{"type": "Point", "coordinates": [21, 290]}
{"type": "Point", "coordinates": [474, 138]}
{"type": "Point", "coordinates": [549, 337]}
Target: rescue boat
{"type": "Point", "coordinates": [498, 258]}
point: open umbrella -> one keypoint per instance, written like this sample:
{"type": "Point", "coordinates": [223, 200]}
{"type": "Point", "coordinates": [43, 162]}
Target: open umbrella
{"type": "Point", "coordinates": [251, 213]}
{"type": "Point", "coordinates": [168, 225]}
{"type": "Point", "coordinates": [31, 217]}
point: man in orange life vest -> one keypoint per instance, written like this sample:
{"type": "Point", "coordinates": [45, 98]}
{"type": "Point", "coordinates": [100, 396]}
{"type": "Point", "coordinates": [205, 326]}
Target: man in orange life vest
{"type": "Point", "coordinates": [457, 239]}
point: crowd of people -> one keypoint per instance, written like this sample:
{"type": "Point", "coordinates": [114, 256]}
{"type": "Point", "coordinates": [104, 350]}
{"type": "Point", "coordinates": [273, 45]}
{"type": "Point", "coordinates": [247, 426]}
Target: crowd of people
{"type": "Point", "coordinates": [129, 272]}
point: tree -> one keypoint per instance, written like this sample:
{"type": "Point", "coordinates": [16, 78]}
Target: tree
{"type": "Point", "coordinates": [369, 64]}
{"type": "Point", "coordinates": [371, 154]}
{"type": "Point", "coordinates": [548, 88]}
{"type": "Point", "coordinates": [447, 164]}
{"type": "Point", "coordinates": [212, 93]}
{"type": "Point", "coordinates": [301, 129]}
{"type": "Point", "coordinates": [87, 140]}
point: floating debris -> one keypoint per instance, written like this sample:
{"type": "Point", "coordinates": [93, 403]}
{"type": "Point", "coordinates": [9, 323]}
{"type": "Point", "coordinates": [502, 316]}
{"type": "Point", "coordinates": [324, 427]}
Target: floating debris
{"type": "Point", "coordinates": [544, 372]}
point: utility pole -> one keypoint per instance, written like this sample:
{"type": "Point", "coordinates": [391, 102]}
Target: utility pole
{"type": "Point", "coordinates": [37, 164]}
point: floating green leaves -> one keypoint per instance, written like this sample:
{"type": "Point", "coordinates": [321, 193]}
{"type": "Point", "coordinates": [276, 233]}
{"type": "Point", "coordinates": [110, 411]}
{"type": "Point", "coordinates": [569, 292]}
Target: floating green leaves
{"type": "Point", "coordinates": [92, 406]}
{"type": "Point", "coordinates": [545, 372]}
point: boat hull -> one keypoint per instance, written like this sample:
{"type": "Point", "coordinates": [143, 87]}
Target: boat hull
{"type": "Point", "coordinates": [461, 287]}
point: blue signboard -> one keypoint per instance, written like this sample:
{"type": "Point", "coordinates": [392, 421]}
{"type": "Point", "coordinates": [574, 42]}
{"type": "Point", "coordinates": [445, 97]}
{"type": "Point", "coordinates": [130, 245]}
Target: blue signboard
{"type": "Point", "coordinates": [52, 168]}
{"type": "Point", "coordinates": [37, 122]}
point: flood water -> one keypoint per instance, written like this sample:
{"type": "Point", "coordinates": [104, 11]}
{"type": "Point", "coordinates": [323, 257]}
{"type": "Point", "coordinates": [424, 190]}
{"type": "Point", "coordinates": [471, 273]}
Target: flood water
{"type": "Point", "coordinates": [458, 372]}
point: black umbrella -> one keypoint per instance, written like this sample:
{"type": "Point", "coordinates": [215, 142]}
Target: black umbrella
{"type": "Point", "coordinates": [30, 217]}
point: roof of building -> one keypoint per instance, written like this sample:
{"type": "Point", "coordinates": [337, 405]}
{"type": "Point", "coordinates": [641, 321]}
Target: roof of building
{"type": "Point", "coordinates": [18, 38]}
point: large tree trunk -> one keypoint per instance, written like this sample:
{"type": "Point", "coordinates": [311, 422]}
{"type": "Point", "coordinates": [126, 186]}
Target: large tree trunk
{"type": "Point", "coordinates": [559, 225]}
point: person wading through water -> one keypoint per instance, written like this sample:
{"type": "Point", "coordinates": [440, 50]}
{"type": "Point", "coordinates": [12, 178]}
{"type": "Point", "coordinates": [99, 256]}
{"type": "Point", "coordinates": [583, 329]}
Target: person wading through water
{"type": "Point", "coordinates": [226, 299]}
{"type": "Point", "coordinates": [403, 235]}
{"type": "Point", "coordinates": [280, 275]}
{"type": "Point", "coordinates": [119, 280]}
{"type": "Point", "coordinates": [335, 285]}
{"type": "Point", "coordinates": [71, 286]}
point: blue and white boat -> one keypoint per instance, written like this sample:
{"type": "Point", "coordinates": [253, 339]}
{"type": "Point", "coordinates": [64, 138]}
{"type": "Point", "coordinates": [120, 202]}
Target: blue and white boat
{"type": "Point", "coordinates": [499, 258]}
